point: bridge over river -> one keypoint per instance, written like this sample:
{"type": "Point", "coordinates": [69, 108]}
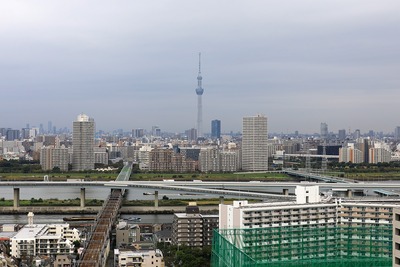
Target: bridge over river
{"type": "Point", "coordinates": [97, 248]}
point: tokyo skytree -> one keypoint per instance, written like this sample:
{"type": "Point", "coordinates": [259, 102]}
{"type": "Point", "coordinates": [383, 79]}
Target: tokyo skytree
{"type": "Point", "coordinates": [199, 92]}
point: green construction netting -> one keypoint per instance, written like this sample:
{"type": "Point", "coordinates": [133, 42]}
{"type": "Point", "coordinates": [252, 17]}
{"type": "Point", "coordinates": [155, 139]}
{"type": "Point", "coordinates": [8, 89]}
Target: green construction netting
{"type": "Point", "coordinates": [307, 245]}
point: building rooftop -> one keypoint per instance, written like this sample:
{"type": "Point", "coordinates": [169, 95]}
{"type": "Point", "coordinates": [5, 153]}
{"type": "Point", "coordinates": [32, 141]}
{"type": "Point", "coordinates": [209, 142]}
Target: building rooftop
{"type": "Point", "coordinates": [30, 231]}
{"type": "Point", "coordinates": [186, 215]}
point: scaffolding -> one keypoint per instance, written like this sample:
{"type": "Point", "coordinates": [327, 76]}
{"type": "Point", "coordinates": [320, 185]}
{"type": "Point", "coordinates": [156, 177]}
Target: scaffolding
{"type": "Point", "coordinates": [308, 245]}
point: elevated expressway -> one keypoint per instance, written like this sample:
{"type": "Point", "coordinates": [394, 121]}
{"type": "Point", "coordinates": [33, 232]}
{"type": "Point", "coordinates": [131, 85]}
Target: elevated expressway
{"type": "Point", "coordinates": [257, 189]}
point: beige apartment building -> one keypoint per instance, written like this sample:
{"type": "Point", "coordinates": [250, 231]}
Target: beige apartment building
{"type": "Point", "coordinates": [192, 228]}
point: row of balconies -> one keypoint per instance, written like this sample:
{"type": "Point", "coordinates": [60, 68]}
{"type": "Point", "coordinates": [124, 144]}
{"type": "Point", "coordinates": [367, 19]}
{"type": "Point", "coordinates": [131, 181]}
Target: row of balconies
{"type": "Point", "coordinates": [293, 211]}
{"type": "Point", "coordinates": [367, 209]}
{"type": "Point", "coordinates": [189, 230]}
{"type": "Point", "coordinates": [184, 225]}
{"type": "Point", "coordinates": [189, 236]}
{"type": "Point", "coordinates": [366, 215]}
{"type": "Point", "coordinates": [366, 220]}
{"type": "Point", "coordinates": [290, 217]}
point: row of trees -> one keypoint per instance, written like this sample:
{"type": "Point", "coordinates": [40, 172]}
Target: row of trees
{"type": "Point", "coordinates": [20, 166]}
{"type": "Point", "coordinates": [365, 167]}
{"type": "Point", "coordinates": [25, 166]}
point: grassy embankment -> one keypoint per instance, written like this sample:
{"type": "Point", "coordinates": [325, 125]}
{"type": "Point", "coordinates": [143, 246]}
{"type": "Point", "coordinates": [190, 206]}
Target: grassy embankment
{"type": "Point", "coordinates": [148, 176]}
{"type": "Point", "coordinates": [373, 176]}
{"type": "Point", "coordinates": [58, 176]}
{"type": "Point", "coordinates": [273, 176]}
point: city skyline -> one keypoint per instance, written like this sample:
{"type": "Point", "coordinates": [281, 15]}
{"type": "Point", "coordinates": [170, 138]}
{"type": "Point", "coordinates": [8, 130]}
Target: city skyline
{"type": "Point", "coordinates": [341, 133]}
{"type": "Point", "coordinates": [133, 64]}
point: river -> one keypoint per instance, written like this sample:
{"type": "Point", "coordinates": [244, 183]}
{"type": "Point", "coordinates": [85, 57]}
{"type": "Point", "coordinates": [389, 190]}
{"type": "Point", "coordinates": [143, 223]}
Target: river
{"type": "Point", "coordinates": [95, 193]}
{"type": "Point", "coordinates": [54, 218]}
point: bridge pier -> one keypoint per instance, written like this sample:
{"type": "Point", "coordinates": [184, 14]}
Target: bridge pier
{"type": "Point", "coordinates": [16, 198]}
{"type": "Point", "coordinates": [349, 193]}
{"type": "Point", "coordinates": [285, 191]}
{"type": "Point", "coordinates": [156, 199]}
{"type": "Point", "coordinates": [83, 197]}
{"type": "Point", "coordinates": [221, 199]}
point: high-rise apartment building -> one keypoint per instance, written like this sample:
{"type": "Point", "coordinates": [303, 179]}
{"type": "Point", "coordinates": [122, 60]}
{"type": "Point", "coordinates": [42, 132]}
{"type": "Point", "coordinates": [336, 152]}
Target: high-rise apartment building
{"type": "Point", "coordinates": [155, 131]}
{"type": "Point", "coordinates": [215, 129]}
{"type": "Point", "coordinates": [255, 144]}
{"type": "Point", "coordinates": [49, 127]}
{"type": "Point", "coordinates": [191, 134]}
{"type": "Point", "coordinates": [137, 133]}
{"type": "Point", "coordinates": [379, 154]}
{"type": "Point", "coordinates": [397, 133]}
{"type": "Point", "coordinates": [357, 134]}
{"type": "Point", "coordinates": [324, 130]}
{"type": "Point", "coordinates": [350, 154]}
{"type": "Point", "coordinates": [25, 133]}
{"type": "Point", "coordinates": [342, 134]}
{"type": "Point", "coordinates": [83, 143]}
{"type": "Point", "coordinates": [12, 135]}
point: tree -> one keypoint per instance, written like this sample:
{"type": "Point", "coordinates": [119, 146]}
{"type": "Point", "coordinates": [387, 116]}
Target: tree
{"type": "Point", "coordinates": [185, 256]}
{"type": "Point", "coordinates": [56, 169]}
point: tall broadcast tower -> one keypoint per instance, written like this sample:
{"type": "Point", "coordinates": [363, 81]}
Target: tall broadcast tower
{"type": "Point", "coordinates": [199, 92]}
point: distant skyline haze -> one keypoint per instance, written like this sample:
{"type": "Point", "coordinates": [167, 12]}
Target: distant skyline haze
{"type": "Point", "coordinates": [134, 64]}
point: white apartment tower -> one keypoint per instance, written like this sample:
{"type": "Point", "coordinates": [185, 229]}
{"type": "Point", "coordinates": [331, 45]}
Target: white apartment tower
{"type": "Point", "coordinates": [83, 143]}
{"type": "Point", "coordinates": [255, 144]}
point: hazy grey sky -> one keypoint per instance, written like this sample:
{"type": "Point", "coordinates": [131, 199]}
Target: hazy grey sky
{"type": "Point", "coordinates": [133, 64]}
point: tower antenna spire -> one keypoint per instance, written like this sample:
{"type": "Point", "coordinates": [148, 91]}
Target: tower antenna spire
{"type": "Point", "coordinates": [199, 62]}
{"type": "Point", "coordinates": [199, 93]}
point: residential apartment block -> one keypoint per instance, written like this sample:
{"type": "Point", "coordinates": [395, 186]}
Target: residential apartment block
{"type": "Point", "coordinates": [51, 157]}
{"type": "Point", "coordinates": [377, 155]}
{"type": "Point", "coordinates": [127, 234]}
{"type": "Point", "coordinates": [192, 228]}
{"type": "Point", "coordinates": [44, 239]}
{"type": "Point", "coordinates": [139, 258]}
{"type": "Point", "coordinates": [313, 229]}
{"type": "Point", "coordinates": [255, 144]}
{"type": "Point", "coordinates": [165, 159]}
{"type": "Point", "coordinates": [214, 159]}
{"type": "Point", "coordinates": [350, 154]}
{"type": "Point", "coordinates": [83, 143]}
{"type": "Point", "coordinates": [396, 237]}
